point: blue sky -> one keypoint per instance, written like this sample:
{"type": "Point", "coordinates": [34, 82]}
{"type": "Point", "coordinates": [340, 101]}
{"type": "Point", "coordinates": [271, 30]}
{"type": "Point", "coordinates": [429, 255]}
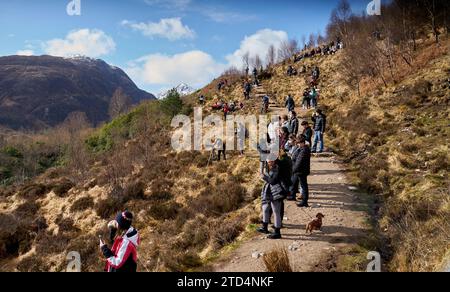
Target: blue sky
{"type": "Point", "coordinates": [161, 43]}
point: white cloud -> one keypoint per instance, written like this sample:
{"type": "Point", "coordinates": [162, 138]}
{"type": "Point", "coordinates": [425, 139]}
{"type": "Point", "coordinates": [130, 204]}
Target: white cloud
{"type": "Point", "coordinates": [198, 68]}
{"type": "Point", "coordinates": [92, 43]}
{"type": "Point", "coordinates": [195, 68]}
{"type": "Point", "coordinates": [257, 44]}
{"type": "Point", "coordinates": [170, 28]}
{"type": "Point", "coordinates": [25, 53]}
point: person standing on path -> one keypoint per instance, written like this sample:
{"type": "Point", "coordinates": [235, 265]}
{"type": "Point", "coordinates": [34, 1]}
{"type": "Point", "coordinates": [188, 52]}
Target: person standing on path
{"type": "Point", "coordinates": [272, 196]}
{"type": "Point", "coordinates": [290, 104]}
{"type": "Point", "coordinates": [320, 122]}
{"type": "Point", "coordinates": [301, 169]}
{"type": "Point", "coordinates": [294, 123]}
{"type": "Point", "coordinates": [307, 132]}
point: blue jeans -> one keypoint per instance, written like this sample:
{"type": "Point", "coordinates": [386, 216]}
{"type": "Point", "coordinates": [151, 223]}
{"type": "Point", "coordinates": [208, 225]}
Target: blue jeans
{"type": "Point", "coordinates": [318, 139]}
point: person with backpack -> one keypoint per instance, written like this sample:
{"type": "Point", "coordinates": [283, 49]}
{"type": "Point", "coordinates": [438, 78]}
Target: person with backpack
{"type": "Point", "coordinates": [272, 196]}
{"type": "Point", "coordinates": [293, 123]}
{"type": "Point", "coordinates": [290, 103]}
{"type": "Point", "coordinates": [123, 256]}
{"type": "Point", "coordinates": [320, 121]}
{"type": "Point", "coordinates": [301, 169]}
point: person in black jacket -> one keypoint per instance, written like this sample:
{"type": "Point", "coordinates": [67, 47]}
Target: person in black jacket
{"type": "Point", "coordinates": [272, 197]}
{"type": "Point", "coordinates": [301, 169]}
{"type": "Point", "coordinates": [290, 103]}
{"type": "Point", "coordinates": [294, 123]}
{"type": "Point", "coordinates": [307, 132]}
{"type": "Point", "coordinates": [320, 122]}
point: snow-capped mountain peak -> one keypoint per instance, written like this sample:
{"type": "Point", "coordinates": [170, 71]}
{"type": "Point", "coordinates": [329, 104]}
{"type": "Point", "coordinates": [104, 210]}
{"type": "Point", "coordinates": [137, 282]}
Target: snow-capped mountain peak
{"type": "Point", "coordinates": [183, 89]}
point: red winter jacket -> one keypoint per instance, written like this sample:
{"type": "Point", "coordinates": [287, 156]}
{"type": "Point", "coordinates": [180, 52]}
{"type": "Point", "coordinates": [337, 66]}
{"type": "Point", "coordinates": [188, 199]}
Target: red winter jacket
{"type": "Point", "coordinates": [123, 255]}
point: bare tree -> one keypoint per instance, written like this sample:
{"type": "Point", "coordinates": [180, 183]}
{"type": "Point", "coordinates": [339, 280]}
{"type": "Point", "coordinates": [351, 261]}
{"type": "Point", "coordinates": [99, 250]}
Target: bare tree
{"type": "Point", "coordinates": [256, 62]}
{"type": "Point", "coordinates": [312, 41]}
{"type": "Point", "coordinates": [271, 56]}
{"type": "Point", "coordinates": [340, 18]}
{"type": "Point", "coordinates": [246, 59]}
{"type": "Point", "coordinates": [120, 103]}
{"type": "Point", "coordinates": [287, 49]}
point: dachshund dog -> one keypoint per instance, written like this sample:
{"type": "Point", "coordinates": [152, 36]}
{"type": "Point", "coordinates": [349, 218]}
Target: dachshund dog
{"type": "Point", "coordinates": [316, 224]}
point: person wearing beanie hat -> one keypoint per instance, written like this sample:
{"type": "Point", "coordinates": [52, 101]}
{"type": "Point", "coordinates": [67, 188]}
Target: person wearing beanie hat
{"type": "Point", "coordinates": [122, 257]}
{"type": "Point", "coordinates": [272, 196]}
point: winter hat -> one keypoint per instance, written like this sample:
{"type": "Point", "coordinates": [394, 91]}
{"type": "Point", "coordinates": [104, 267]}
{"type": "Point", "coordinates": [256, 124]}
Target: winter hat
{"type": "Point", "coordinates": [124, 220]}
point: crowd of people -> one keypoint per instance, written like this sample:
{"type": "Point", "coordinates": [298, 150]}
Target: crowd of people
{"type": "Point", "coordinates": [286, 174]}
{"type": "Point", "coordinates": [228, 107]}
{"type": "Point", "coordinates": [328, 49]}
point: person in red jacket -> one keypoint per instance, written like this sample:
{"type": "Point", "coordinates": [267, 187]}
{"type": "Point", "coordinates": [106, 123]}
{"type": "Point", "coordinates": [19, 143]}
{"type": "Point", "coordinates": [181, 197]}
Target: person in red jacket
{"type": "Point", "coordinates": [122, 257]}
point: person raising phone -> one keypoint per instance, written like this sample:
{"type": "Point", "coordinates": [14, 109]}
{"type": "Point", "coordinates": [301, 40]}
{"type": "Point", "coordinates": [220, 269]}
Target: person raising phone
{"type": "Point", "coordinates": [122, 257]}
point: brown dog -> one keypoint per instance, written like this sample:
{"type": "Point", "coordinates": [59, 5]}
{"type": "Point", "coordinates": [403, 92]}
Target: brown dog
{"type": "Point", "coordinates": [316, 224]}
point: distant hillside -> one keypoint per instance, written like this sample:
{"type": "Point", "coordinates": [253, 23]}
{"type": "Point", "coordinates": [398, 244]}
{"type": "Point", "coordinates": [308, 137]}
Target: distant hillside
{"type": "Point", "coordinates": [38, 92]}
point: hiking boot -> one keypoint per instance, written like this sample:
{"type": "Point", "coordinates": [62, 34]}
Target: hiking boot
{"type": "Point", "coordinates": [275, 235]}
{"type": "Point", "coordinates": [303, 205]}
{"type": "Point", "coordinates": [264, 229]}
{"type": "Point", "coordinates": [273, 227]}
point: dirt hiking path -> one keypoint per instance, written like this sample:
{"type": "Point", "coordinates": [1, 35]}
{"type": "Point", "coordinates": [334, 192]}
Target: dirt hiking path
{"type": "Point", "coordinates": [331, 195]}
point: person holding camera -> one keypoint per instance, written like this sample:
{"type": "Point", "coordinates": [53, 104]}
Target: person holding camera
{"type": "Point", "coordinates": [122, 257]}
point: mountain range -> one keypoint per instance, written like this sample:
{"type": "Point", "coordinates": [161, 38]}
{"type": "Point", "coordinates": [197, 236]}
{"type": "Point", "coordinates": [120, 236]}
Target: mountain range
{"type": "Point", "coordinates": [38, 92]}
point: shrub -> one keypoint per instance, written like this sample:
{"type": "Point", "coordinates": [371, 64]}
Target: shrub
{"type": "Point", "coordinates": [172, 104]}
{"type": "Point", "coordinates": [134, 190]}
{"type": "Point", "coordinates": [27, 209]}
{"type": "Point", "coordinates": [108, 207]}
{"type": "Point", "coordinates": [12, 152]}
{"type": "Point", "coordinates": [32, 264]}
{"type": "Point", "coordinates": [61, 188]}
{"type": "Point", "coordinates": [221, 199]}
{"type": "Point", "coordinates": [33, 191]}
{"type": "Point", "coordinates": [15, 237]}
{"type": "Point", "coordinates": [164, 211]}
{"type": "Point", "coordinates": [82, 204]}
{"type": "Point", "coordinates": [277, 261]}
{"type": "Point", "coordinates": [226, 231]}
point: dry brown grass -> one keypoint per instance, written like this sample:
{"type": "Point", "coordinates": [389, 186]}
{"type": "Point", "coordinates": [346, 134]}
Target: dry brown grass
{"type": "Point", "coordinates": [277, 261]}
